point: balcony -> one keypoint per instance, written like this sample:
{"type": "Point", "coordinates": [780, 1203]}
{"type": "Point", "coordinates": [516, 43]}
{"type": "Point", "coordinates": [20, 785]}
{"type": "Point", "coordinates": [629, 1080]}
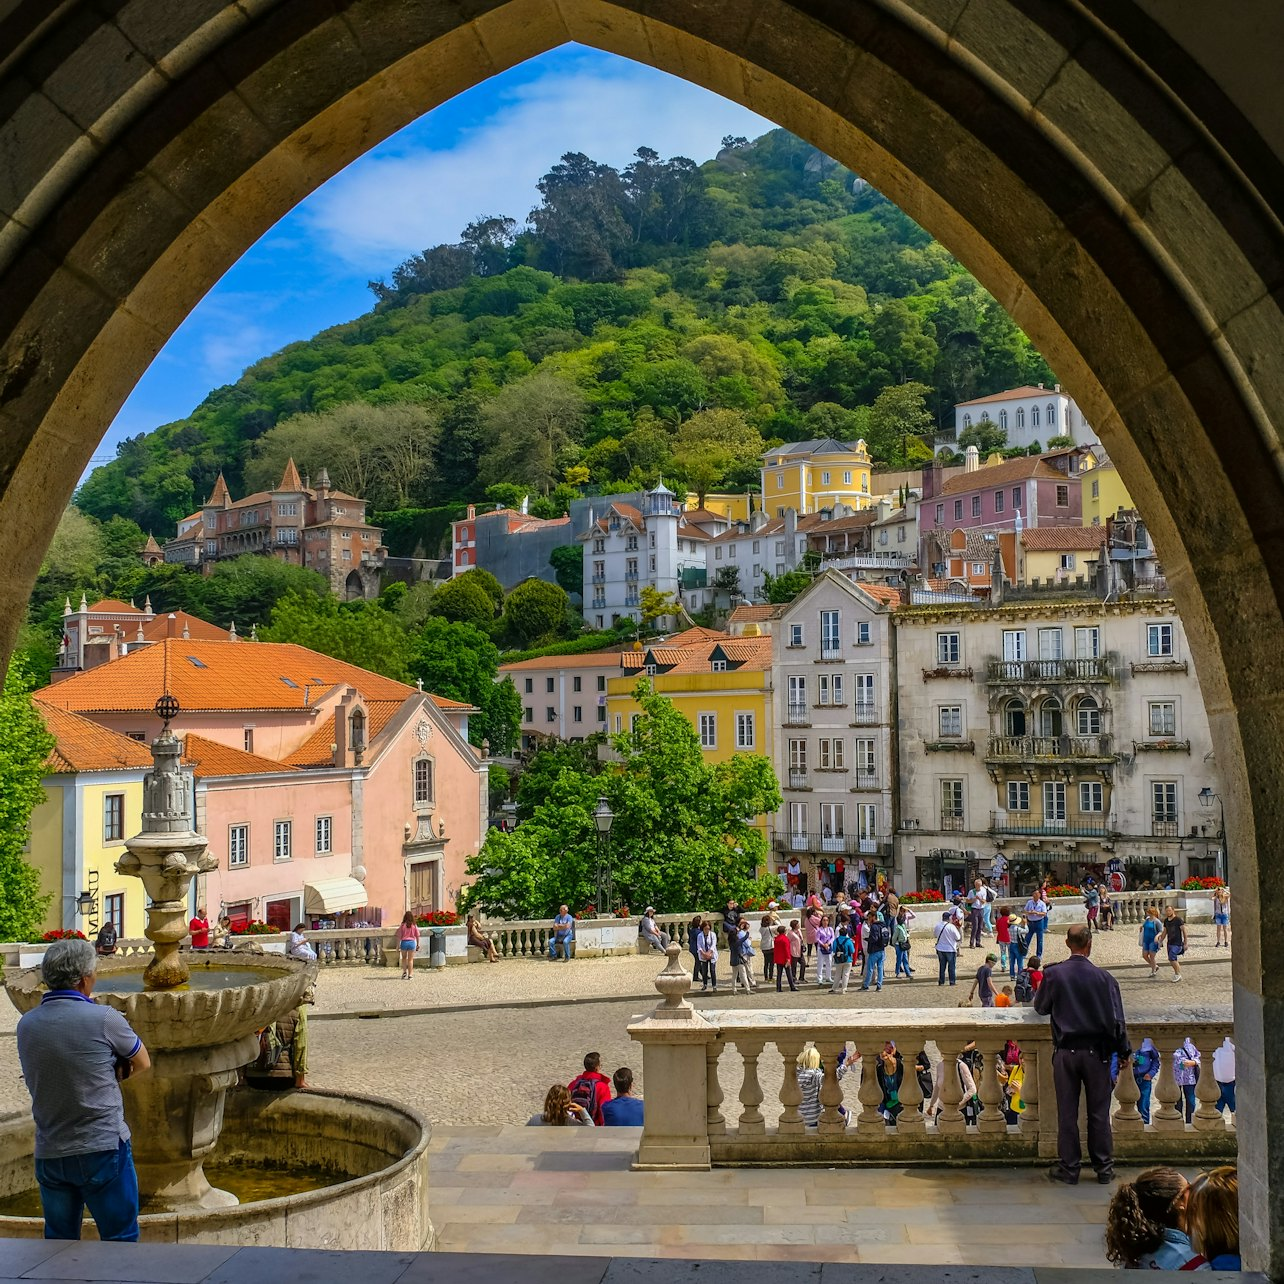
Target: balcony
{"type": "Point", "coordinates": [599, 604]}
{"type": "Point", "coordinates": [1165, 827]}
{"type": "Point", "coordinates": [949, 746]}
{"type": "Point", "coordinates": [1095, 749]}
{"type": "Point", "coordinates": [823, 844]}
{"type": "Point", "coordinates": [799, 778]}
{"type": "Point", "coordinates": [952, 823]}
{"type": "Point", "coordinates": [1023, 823]}
{"type": "Point", "coordinates": [630, 577]}
{"type": "Point", "coordinates": [947, 671]}
{"type": "Point", "coordinates": [869, 562]}
{"type": "Point", "coordinates": [797, 715]}
{"type": "Point", "coordinates": [865, 780]}
{"type": "Point", "coordinates": [599, 579]}
{"type": "Point", "coordinates": [830, 653]}
{"type": "Point", "coordinates": [1016, 672]}
{"type": "Point", "coordinates": [1165, 744]}
{"type": "Point", "coordinates": [864, 714]}
{"type": "Point", "coordinates": [1160, 665]}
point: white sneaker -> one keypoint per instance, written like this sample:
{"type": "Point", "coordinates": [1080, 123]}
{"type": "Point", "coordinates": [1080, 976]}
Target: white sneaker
{"type": "Point", "coordinates": [1177, 978]}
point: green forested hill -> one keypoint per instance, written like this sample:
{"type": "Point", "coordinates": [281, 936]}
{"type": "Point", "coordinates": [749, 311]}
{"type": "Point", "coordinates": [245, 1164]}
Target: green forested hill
{"type": "Point", "coordinates": [667, 317]}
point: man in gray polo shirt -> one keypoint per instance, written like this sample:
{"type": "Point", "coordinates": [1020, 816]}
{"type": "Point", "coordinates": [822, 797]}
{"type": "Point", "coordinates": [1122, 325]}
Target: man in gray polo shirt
{"type": "Point", "coordinates": [73, 1053]}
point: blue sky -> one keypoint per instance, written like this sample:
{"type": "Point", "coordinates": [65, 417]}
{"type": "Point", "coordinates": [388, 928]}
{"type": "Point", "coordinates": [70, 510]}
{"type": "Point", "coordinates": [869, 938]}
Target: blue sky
{"type": "Point", "coordinates": [481, 153]}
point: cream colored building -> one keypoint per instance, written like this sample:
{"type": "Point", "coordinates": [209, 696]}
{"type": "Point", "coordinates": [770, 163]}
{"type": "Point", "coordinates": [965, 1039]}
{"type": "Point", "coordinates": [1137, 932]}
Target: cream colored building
{"type": "Point", "coordinates": [1052, 734]}
{"type": "Point", "coordinates": [833, 675]}
{"type": "Point", "coordinates": [563, 696]}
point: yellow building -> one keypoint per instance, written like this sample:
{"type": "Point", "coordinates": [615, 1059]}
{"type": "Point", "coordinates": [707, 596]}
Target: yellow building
{"type": "Point", "coordinates": [810, 475]}
{"type": "Point", "coordinates": [734, 507]}
{"type": "Point", "coordinates": [1052, 553]}
{"type": "Point", "coordinates": [93, 802]}
{"type": "Point", "coordinates": [1104, 493]}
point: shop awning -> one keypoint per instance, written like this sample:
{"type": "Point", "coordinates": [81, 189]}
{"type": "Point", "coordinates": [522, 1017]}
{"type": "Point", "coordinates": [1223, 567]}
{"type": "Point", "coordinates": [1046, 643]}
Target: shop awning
{"type": "Point", "coordinates": [333, 896]}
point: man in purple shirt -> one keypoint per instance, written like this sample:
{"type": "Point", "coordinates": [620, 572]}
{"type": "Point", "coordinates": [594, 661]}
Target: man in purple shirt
{"type": "Point", "coordinates": [74, 1052]}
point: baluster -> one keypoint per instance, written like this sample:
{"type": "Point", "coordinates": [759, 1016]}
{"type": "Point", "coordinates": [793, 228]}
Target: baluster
{"type": "Point", "coordinates": [869, 1093]}
{"type": "Point", "coordinates": [1166, 1113]}
{"type": "Point", "coordinates": [715, 1124]}
{"type": "Point", "coordinates": [347, 949]}
{"type": "Point", "coordinates": [1127, 1118]}
{"type": "Point", "coordinates": [1029, 1120]}
{"type": "Point", "coordinates": [991, 1118]}
{"type": "Point", "coordinates": [751, 1120]}
{"type": "Point", "coordinates": [831, 1091]}
{"type": "Point", "coordinates": [951, 1118]}
{"type": "Point", "coordinates": [1207, 1118]}
{"type": "Point", "coordinates": [911, 1120]}
{"type": "Point", "coordinates": [791, 1120]}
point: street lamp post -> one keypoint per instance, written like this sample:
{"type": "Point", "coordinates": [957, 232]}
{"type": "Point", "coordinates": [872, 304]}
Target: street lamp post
{"type": "Point", "coordinates": [1206, 800]}
{"type": "Point", "coordinates": [603, 817]}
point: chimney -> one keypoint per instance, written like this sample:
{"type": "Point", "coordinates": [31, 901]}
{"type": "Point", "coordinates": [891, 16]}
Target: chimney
{"type": "Point", "coordinates": [1040, 385]}
{"type": "Point", "coordinates": [971, 459]}
{"type": "Point", "coordinates": [472, 511]}
{"type": "Point", "coordinates": [1056, 387]}
{"type": "Point", "coordinates": [170, 621]}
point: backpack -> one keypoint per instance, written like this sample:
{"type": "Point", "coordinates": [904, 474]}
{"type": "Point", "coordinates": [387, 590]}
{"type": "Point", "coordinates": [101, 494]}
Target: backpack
{"type": "Point", "coordinates": [900, 935]}
{"type": "Point", "coordinates": [877, 937]}
{"type": "Point", "coordinates": [844, 949]}
{"type": "Point", "coordinates": [584, 1093]}
{"type": "Point", "coordinates": [1021, 939]}
{"type": "Point", "coordinates": [1023, 990]}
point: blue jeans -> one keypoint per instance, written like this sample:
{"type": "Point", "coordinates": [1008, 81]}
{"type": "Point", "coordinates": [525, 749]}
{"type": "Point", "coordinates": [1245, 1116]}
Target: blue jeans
{"type": "Point", "coordinates": [1037, 931]}
{"type": "Point", "coordinates": [1143, 1105]}
{"type": "Point", "coordinates": [1188, 1100]}
{"type": "Point", "coordinates": [902, 961]}
{"type": "Point", "coordinates": [562, 944]}
{"type": "Point", "coordinates": [947, 959]}
{"type": "Point", "coordinates": [103, 1180]}
{"type": "Point", "coordinates": [873, 969]}
{"type": "Point", "coordinates": [1016, 962]}
{"type": "Point", "coordinates": [1227, 1098]}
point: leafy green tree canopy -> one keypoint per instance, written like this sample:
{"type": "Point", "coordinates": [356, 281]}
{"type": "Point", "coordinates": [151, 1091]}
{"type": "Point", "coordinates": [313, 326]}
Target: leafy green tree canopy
{"type": "Point", "coordinates": [534, 609]}
{"type": "Point", "coordinates": [360, 633]}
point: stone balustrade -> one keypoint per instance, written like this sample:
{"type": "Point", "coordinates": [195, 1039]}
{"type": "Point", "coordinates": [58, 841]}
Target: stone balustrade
{"type": "Point", "coordinates": [708, 1072]}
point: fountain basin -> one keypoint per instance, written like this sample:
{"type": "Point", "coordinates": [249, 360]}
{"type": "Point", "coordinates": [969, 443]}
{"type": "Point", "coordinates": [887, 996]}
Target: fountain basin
{"type": "Point", "coordinates": [376, 1151]}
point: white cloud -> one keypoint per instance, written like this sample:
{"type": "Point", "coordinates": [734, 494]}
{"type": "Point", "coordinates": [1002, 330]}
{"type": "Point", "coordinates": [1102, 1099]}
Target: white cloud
{"type": "Point", "coordinates": [385, 207]}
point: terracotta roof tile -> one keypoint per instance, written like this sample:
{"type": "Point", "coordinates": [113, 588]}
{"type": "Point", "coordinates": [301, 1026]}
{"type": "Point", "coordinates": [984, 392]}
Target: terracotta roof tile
{"type": "Point", "coordinates": [315, 750]}
{"type": "Point", "coordinates": [208, 758]}
{"type": "Point", "coordinates": [85, 746]}
{"type": "Point", "coordinates": [1071, 539]}
{"type": "Point", "coordinates": [114, 606]}
{"type": "Point", "coordinates": [1002, 474]}
{"type": "Point", "coordinates": [746, 653]}
{"type": "Point", "coordinates": [884, 593]}
{"type": "Point", "coordinates": [1012, 394]}
{"type": "Point", "coordinates": [695, 635]}
{"type": "Point", "coordinates": [163, 627]}
{"type": "Point", "coordinates": [586, 659]}
{"type": "Point", "coordinates": [756, 612]}
{"type": "Point", "coordinates": [206, 675]}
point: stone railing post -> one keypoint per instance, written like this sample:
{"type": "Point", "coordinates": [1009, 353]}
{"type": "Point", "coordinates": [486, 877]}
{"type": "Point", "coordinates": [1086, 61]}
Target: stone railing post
{"type": "Point", "coordinates": [679, 1067]}
{"type": "Point", "coordinates": [1032, 1056]}
{"type": "Point", "coordinates": [911, 1120]}
{"type": "Point", "coordinates": [791, 1120]}
{"type": "Point", "coordinates": [831, 1092]}
{"type": "Point", "coordinates": [1207, 1117]}
{"type": "Point", "coordinates": [751, 1120]}
{"type": "Point", "coordinates": [950, 1120]}
{"type": "Point", "coordinates": [1127, 1118]}
{"type": "Point", "coordinates": [1167, 1112]}
{"type": "Point", "coordinates": [990, 1090]}
{"type": "Point", "coordinates": [715, 1124]}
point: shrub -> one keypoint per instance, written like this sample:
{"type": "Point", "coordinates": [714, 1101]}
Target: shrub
{"type": "Point", "coordinates": [438, 918]}
{"type": "Point", "coordinates": [1202, 884]}
{"type": "Point", "coordinates": [928, 897]}
{"type": "Point", "coordinates": [64, 934]}
{"type": "Point", "coordinates": [255, 928]}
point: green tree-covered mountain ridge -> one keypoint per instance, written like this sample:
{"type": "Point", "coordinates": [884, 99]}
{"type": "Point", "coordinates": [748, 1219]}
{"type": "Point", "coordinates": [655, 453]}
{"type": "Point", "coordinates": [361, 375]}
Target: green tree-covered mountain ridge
{"type": "Point", "coordinates": [667, 318]}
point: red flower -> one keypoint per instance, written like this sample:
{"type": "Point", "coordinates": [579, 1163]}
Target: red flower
{"type": "Point", "coordinates": [64, 934]}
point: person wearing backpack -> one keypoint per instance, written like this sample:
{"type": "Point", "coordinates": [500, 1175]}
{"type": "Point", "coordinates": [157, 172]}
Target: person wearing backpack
{"type": "Point", "coordinates": [877, 939]}
{"type": "Point", "coordinates": [591, 1090]}
{"type": "Point", "coordinates": [1023, 990]}
{"type": "Point", "coordinates": [844, 953]}
{"type": "Point", "coordinates": [901, 943]}
{"type": "Point", "coordinates": [1018, 944]}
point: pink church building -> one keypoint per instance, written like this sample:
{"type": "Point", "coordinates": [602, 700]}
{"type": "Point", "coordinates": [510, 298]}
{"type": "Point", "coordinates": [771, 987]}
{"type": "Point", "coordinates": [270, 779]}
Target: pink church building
{"type": "Point", "coordinates": [328, 793]}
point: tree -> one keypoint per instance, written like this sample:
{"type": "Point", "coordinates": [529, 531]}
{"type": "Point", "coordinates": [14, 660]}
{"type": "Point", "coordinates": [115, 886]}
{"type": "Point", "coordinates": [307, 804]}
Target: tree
{"type": "Point", "coordinates": [528, 424]}
{"type": "Point", "coordinates": [727, 580]}
{"type": "Point", "coordinates": [712, 443]}
{"type": "Point", "coordinates": [25, 744]}
{"type": "Point", "coordinates": [539, 775]}
{"type": "Point", "coordinates": [246, 588]}
{"type": "Point", "coordinates": [485, 580]}
{"type": "Point", "coordinates": [489, 240]}
{"type": "Point", "coordinates": [498, 782]}
{"type": "Point", "coordinates": [460, 662]}
{"type": "Point", "coordinates": [567, 562]}
{"type": "Point", "coordinates": [898, 414]}
{"type": "Point", "coordinates": [985, 435]}
{"type": "Point", "coordinates": [534, 610]}
{"type": "Point", "coordinates": [360, 633]}
{"type": "Point", "coordinates": [579, 220]}
{"type": "Point", "coordinates": [786, 587]}
{"type": "Point", "coordinates": [655, 605]}
{"type": "Point", "coordinates": [463, 601]}
{"type": "Point", "coordinates": [1061, 442]}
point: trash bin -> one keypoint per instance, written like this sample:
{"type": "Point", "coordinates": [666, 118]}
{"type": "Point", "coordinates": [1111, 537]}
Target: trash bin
{"type": "Point", "coordinates": [437, 947]}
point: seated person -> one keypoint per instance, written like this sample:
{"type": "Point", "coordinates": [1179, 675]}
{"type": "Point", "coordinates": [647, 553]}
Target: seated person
{"type": "Point", "coordinates": [105, 944]}
{"type": "Point", "coordinates": [479, 939]}
{"type": "Point", "coordinates": [624, 1110]}
{"type": "Point", "coordinates": [649, 930]}
{"type": "Point", "coordinates": [560, 1111]}
{"type": "Point", "coordinates": [297, 946]}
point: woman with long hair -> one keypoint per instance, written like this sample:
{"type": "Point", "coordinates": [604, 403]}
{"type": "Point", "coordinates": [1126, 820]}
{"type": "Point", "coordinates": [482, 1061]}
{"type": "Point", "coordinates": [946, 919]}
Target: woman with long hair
{"type": "Point", "coordinates": [407, 944]}
{"type": "Point", "coordinates": [560, 1111]}
{"type": "Point", "coordinates": [479, 940]}
{"type": "Point", "coordinates": [1212, 1216]}
{"type": "Point", "coordinates": [1146, 1223]}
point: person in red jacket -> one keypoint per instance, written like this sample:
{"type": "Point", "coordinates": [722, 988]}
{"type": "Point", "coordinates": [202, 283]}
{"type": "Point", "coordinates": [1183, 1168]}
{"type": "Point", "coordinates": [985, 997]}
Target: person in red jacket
{"type": "Point", "coordinates": [200, 929]}
{"type": "Point", "coordinates": [592, 1089]}
{"type": "Point", "coordinates": [782, 954]}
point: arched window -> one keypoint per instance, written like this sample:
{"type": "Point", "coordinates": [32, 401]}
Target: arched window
{"type": "Point", "coordinates": [1003, 420]}
{"type": "Point", "coordinates": [357, 732]}
{"type": "Point", "coordinates": [1020, 417]}
{"type": "Point", "coordinates": [423, 782]}
{"type": "Point", "coordinates": [1034, 416]}
{"type": "Point", "coordinates": [1052, 415]}
{"type": "Point", "coordinates": [985, 416]}
{"type": "Point", "coordinates": [967, 421]}
{"type": "Point", "coordinates": [1088, 717]}
{"type": "Point", "coordinates": [1014, 718]}
{"type": "Point", "coordinates": [1050, 722]}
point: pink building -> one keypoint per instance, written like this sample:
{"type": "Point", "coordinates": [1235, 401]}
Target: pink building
{"type": "Point", "coordinates": [327, 792]}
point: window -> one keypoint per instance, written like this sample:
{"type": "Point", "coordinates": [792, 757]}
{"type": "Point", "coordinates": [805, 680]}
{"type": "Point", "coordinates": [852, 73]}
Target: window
{"type": "Point", "coordinates": [731, 551]}
{"type": "Point", "coordinates": [967, 421]}
{"type": "Point", "coordinates": [949, 721]}
{"type": "Point", "coordinates": [1052, 415]}
{"type": "Point", "coordinates": [744, 731]}
{"type": "Point", "coordinates": [1050, 722]}
{"type": "Point", "coordinates": [550, 713]}
{"type": "Point", "coordinates": [830, 636]}
{"type": "Point", "coordinates": [114, 818]}
{"type": "Point", "coordinates": [1003, 420]}
{"type": "Point", "coordinates": [882, 537]}
{"type": "Point", "coordinates": [940, 513]}
{"type": "Point", "coordinates": [282, 840]}
{"type": "Point", "coordinates": [795, 635]}
{"type": "Point", "coordinates": [1014, 718]}
{"type": "Point", "coordinates": [719, 666]}
{"type": "Point", "coordinates": [1092, 796]}
{"type": "Point", "coordinates": [238, 846]}
{"type": "Point", "coordinates": [287, 510]}
{"type": "Point", "coordinates": [822, 688]}
{"type": "Point", "coordinates": [577, 683]}
{"type": "Point", "coordinates": [1163, 802]}
{"type": "Point", "coordinates": [717, 553]}
{"type": "Point", "coordinates": [1054, 802]}
{"type": "Point", "coordinates": [1063, 496]}
{"type": "Point", "coordinates": [978, 569]}
{"type": "Point", "coordinates": [528, 714]}
{"type": "Point", "coordinates": [1020, 417]}
{"type": "Point", "coordinates": [1034, 416]}
{"type": "Point", "coordinates": [865, 758]}
{"type": "Point", "coordinates": [864, 632]}
{"type": "Point", "coordinates": [780, 481]}
{"type": "Point", "coordinates": [114, 911]}
{"type": "Point", "coordinates": [1096, 490]}
{"type": "Point", "coordinates": [601, 713]}
{"type": "Point", "coordinates": [530, 685]}
{"type": "Point", "coordinates": [797, 757]}
{"type": "Point", "coordinates": [1016, 497]}
{"type": "Point", "coordinates": [948, 648]}
{"type": "Point", "coordinates": [1088, 717]}
{"type": "Point", "coordinates": [976, 506]}
{"type": "Point", "coordinates": [826, 754]}
{"type": "Point", "coordinates": [708, 731]}
{"type": "Point", "coordinates": [998, 501]}
{"type": "Point", "coordinates": [423, 781]}
{"type": "Point", "coordinates": [601, 681]}
{"type": "Point", "coordinates": [836, 682]}
{"type": "Point", "coordinates": [1163, 718]}
{"type": "Point", "coordinates": [247, 739]}
{"type": "Point", "coordinates": [824, 479]}
{"type": "Point", "coordinates": [1159, 639]}
{"type": "Point", "coordinates": [1013, 644]}
{"type": "Point", "coordinates": [577, 713]}
{"type": "Point", "coordinates": [1087, 643]}
{"type": "Point", "coordinates": [951, 804]}
{"type": "Point", "coordinates": [549, 685]}
{"type": "Point", "coordinates": [1018, 795]}
{"type": "Point", "coordinates": [900, 534]}
{"type": "Point", "coordinates": [324, 828]}
{"type": "Point", "coordinates": [864, 695]}
{"type": "Point", "coordinates": [958, 510]}
{"type": "Point", "coordinates": [798, 823]}
{"type": "Point", "coordinates": [847, 478]}
{"type": "Point", "coordinates": [1050, 644]}
{"type": "Point", "coordinates": [832, 828]}
{"type": "Point", "coordinates": [1067, 561]}
{"type": "Point", "coordinates": [780, 548]}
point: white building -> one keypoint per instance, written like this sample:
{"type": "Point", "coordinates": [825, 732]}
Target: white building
{"type": "Point", "coordinates": [833, 675]}
{"type": "Point", "coordinates": [658, 545]}
{"type": "Point", "coordinates": [1028, 414]}
{"type": "Point", "coordinates": [563, 696]}
{"type": "Point", "coordinates": [1057, 733]}
{"type": "Point", "coordinates": [758, 548]}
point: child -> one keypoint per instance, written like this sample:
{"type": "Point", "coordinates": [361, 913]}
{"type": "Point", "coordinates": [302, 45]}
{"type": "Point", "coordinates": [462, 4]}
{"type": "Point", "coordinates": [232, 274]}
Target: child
{"type": "Point", "coordinates": [1212, 1217]}
{"type": "Point", "coordinates": [1004, 997]}
{"type": "Point", "coordinates": [1036, 973]}
{"type": "Point", "coordinates": [1146, 1224]}
{"type": "Point", "coordinates": [782, 956]}
{"type": "Point", "coordinates": [1003, 935]}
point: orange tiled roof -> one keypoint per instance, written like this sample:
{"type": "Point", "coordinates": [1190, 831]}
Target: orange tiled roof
{"type": "Point", "coordinates": [756, 612]}
{"type": "Point", "coordinates": [163, 627]}
{"type": "Point", "coordinates": [114, 606]}
{"type": "Point", "coordinates": [209, 758]}
{"type": "Point", "coordinates": [290, 479]}
{"type": "Point", "coordinates": [745, 653]}
{"type": "Point", "coordinates": [884, 593]}
{"type": "Point", "coordinates": [1001, 474]}
{"type": "Point", "coordinates": [83, 745]}
{"type": "Point", "coordinates": [695, 635]}
{"type": "Point", "coordinates": [1012, 394]}
{"type": "Point", "coordinates": [586, 659]}
{"type": "Point", "coordinates": [206, 675]}
{"type": "Point", "coordinates": [315, 750]}
{"type": "Point", "coordinates": [1071, 539]}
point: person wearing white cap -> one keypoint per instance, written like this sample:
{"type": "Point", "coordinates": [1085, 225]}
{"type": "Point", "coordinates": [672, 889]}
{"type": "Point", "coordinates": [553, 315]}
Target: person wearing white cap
{"type": "Point", "coordinates": [649, 930]}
